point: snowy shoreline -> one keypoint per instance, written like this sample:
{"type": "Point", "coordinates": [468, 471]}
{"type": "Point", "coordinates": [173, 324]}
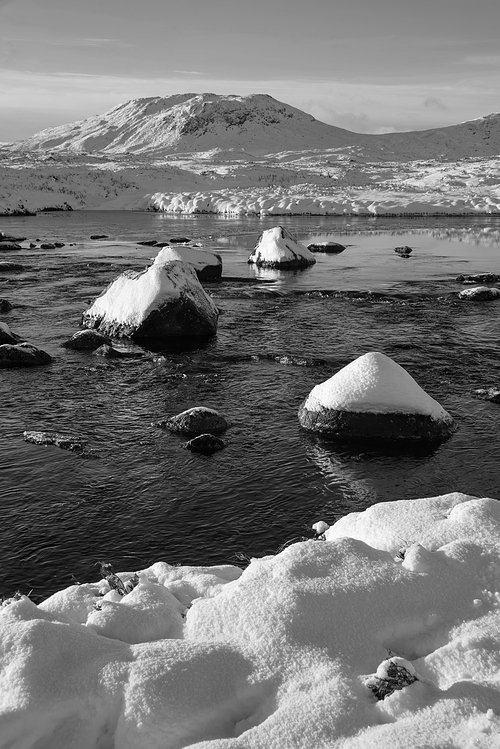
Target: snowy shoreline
{"type": "Point", "coordinates": [282, 653]}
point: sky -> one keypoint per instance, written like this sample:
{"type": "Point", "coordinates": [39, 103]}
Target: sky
{"type": "Point", "coordinates": [371, 66]}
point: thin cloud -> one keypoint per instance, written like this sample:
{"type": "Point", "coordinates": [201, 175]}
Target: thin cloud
{"type": "Point", "coordinates": [432, 102]}
{"type": "Point", "coordinates": [188, 72]}
{"type": "Point", "coordinates": [482, 60]}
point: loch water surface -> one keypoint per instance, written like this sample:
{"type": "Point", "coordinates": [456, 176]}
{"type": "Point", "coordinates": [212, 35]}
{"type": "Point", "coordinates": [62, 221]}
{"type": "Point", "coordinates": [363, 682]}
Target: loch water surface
{"type": "Point", "coordinates": [138, 495]}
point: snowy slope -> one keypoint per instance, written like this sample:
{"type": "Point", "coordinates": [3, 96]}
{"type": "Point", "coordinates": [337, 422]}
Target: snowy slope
{"type": "Point", "coordinates": [192, 122]}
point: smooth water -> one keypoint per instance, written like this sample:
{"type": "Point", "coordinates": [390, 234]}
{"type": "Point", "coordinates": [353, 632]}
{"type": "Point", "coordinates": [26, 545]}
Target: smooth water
{"type": "Point", "coordinates": [140, 496]}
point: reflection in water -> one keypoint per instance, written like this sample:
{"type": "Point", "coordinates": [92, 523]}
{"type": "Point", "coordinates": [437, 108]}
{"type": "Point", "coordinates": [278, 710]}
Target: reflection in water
{"type": "Point", "coordinates": [341, 474]}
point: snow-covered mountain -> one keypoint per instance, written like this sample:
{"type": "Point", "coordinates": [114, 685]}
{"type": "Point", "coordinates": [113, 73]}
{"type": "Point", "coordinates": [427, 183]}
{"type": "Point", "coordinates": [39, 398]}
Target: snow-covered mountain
{"type": "Point", "coordinates": [256, 124]}
{"type": "Point", "coordinates": [250, 126]}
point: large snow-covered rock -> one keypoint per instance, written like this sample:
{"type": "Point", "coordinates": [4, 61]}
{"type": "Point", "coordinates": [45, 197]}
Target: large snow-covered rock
{"type": "Point", "coordinates": [277, 248]}
{"type": "Point", "coordinates": [208, 265]}
{"type": "Point", "coordinates": [374, 398]}
{"type": "Point", "coordinates": [164, 301]}
{"type": "Point", "coordinates": [480, 293]}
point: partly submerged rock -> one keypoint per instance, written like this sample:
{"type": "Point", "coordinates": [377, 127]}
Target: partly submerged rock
{"type": "Point", "coordinates": [7, 245]}
{"type": "Point", "coordinates": [10, 238]}
{"type": "Point", "coordinates": [480, 293]}
{"type": "Point", "coordinates": [373, 398]}
{"type": "Point", "coordinates": [47, 246]}
{"type": "Point", "coordinates": [99, 236]}
{"type": "Point", "coordinates": [196, 421]}
{"type": "Point", "coordinates": [277, 248]}
{"type": "Point", "coordinates": [64, 441]}
{"type": "Point", "coordinates": [5, 305]}
{"type": "Point", "coordinates": [109, 352]}
{"type": "Point", "coordinates": [207, 265]}
{"type": "Point", "coordinates": [7, 336]}
{"type": "Point", "coordinates": [475, 278]}
{"type": "Point", "coordinates": [331, 248]}
{"type": "Point", "coordinates": [403, 251]}
{"type": "Point", "coordinates": [22, 355]}
{"type": "Point", "coordinates": [206, 444]}
{"type": "Point", "coordinates": [164, 301]}
{"type": "Point", "coordinates": [179, 240]}
{"type": "Point", "coordinates": [86, 340]}
{"type": "Point", "coordinates": [488, 394]}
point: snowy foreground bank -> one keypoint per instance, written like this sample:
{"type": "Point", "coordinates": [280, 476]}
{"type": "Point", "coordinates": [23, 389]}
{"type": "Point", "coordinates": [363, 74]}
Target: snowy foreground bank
{"type": "Point", "coordinates": [279, 654]}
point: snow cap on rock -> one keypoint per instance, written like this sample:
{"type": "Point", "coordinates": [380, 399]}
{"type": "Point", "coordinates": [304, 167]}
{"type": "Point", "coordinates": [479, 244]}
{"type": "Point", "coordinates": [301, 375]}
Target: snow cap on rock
{"type": "Point", "coordinates": [146, 305]}
{"type": "Point", "coordinates": [374, 383]}
{"type": "Point", "coordinates": [206, 264]}
{"type": "Point", "coordinates": [278, 248]}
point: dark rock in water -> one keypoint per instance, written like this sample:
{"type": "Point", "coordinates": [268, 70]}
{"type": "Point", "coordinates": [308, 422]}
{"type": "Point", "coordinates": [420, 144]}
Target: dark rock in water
{"type": "Point", "coordinates": [47, 246]}
{"type": "Point", "coordinates": [331, 248]}
{"type": "Point", "coordinates": [87, 340]}
{"type": "Point", "coordinates": [397, 674]}
{"type": "Point", "coordinates": [99, 236]}
{"type": "Point", "coordinates": [22, 355]}
{"type": "Point", "coordinates": [64, 441]}
{"type": "Point", "coordinates": [7, 336]}
{"type": "Point", "coordinates": [179, 240]}
{"type": "Point", "coordinates": [32, 246]}
{"type": "Point", "coordinates": [165, 301]}
{"type": "Point", "coordinates": [6, 245]}
{"type": "Point", "coordinates": [277, 248]}
{"type": "Point", "coordinates": [5, 305]}
{"type": "Point", "coordinates": [403, 251]}
{"type": "Point", "coordinates": [148, 242]}
{"type": "Point", "coordinates": [59, 244]}
{"type": "Point", "coordinates": [198, 420]}
{"type": "Point", "coordinates": [374, 399]}
{"type": "Point", "coordinates": [11, 268]}
{"type": "Point", "coordinates": [206, 444]}
{"type": "Point", "coordinates": [478, 278]}
{"type": "Point", "coordinates": [480, 293]}
{"type": "Point", "coordinates": [488, 394]}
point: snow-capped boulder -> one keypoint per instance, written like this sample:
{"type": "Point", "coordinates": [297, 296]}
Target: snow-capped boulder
{"type": "Point", "coordinates": [22, 355]}
{"type": "Point", "coordinates": [277, 248]}
{"type": "Point", "coordinates": [195, 421]}
{"type": "Point", "coordinates": [374, 398]}
{"type": "Point", "coordinates": [207, 265]}
{"type": "Point", "coordinates": [480, 293]}
{"type": "Point", "coordinates": [164, 301]}
{"type": "Point", "coordinates": [330, 248]}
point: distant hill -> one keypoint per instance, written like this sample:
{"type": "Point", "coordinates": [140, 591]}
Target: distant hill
{"type": "Point", "coordinates": [255, 124]}
{"type": "Point", "coordinates": [250, 126]}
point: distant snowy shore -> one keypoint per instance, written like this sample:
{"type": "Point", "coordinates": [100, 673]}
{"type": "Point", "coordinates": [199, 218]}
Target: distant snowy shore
{"type": "Point", "coordinates": [294, 651]}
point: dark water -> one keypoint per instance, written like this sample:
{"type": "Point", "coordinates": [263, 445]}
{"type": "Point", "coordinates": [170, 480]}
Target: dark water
{"type": "Point", "coordinates": [140, 496]}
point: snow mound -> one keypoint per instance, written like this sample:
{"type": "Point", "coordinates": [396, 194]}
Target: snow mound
{"type": "Point", "coordinates": [207, 265]}
{"type": "Point", "coordinates": [281, 654]}
{"type": "Point", "coordinates": [278, 248]}
{"type": "Point", "coordinates": [165, 300]}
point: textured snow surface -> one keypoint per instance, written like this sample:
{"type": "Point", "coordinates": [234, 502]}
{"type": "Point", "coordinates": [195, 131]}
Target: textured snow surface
{"type": "Point", "coordinates": [132, 297]}
{"type": "Point", "coordinates": [277, 245]}
{"type": "Point", "coordinates": [374, 383]}
{"type": "Point", "coordinates": [279, 654]}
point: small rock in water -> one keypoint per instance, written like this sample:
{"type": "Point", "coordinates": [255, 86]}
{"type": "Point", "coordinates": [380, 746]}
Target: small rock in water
{"type": "Point", "coordinates": [10, 238]}
{"type": "Point", "coordinates": [59, 244]}
{"type": "Point", "coordinates": [99, 236]}
{"type": "Point", "coordinates": [22, 355]}
{"type": "Point", "coordinates": [5, 305]}
{"type": "Point", "coordinates": [206, 444]}
{"type": "Point", "coordinates": [179, 240]}
{"type": "Point", "coordinates": [148, 242]}
{"type": "Point", "coordinates": [198, 420]}
{"type": "Point", "coordinates": [488, 394]}
{"type": "Point", "coordinates": [403, 251]}
{"type": "Point", "coordinates": [64, 441]}
{"type": "Point", "coordinates": [87, 340]}
{"type": "Point", "coordinates": [480, 293]}
{"type": "Point", "coordinates": [4, 245]}
{"type": "Point", "coordinates": [478, 278]}
{"type": "Point", "coordinates": [331, 248]}
{"type": "Point", "coordinates": [47, 246]}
